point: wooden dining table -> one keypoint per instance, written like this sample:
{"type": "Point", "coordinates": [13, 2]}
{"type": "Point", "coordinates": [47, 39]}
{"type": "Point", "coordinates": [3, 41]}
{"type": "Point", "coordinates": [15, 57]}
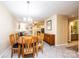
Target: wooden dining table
{"type": "Point", "coordinates": [34, 38]}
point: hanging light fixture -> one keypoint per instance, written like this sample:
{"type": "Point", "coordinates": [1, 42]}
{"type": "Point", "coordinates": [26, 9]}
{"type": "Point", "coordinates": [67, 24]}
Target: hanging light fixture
{"type": "Point", "coordinates": [24, 19]}
{"type": "Point", "coordinates": [29, 16]}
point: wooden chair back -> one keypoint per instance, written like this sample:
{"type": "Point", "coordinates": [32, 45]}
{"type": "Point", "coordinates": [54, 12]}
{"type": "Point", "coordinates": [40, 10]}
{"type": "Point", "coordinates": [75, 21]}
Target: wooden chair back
{"type": "Point", "coordinates": [16, 36]}
{"type": "Point", "coordinates": [12, 39]}
{"type": "Point", "coordinates": [27, 41]}
{"type": "Point", "coordinates": [35, 38]}
{"type": "Point", "coordinates": [14, 46]}
{"type": "Point", "coordinates": [40, 37]}
{"type": "Point", "coordinates": [40, 42]}
{"type": "Point", "coordinates": [27, 45]}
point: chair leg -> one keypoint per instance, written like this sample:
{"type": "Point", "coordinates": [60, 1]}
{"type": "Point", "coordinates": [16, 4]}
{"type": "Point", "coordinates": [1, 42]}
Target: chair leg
{"type": "Point", "coordinates": [19, 51]}
{"type": "Point", "coordinates": [11, 53]}
{"type": "Point", "coordinates": [22, 55]}
{"type": "Point", "coordinates": [33, 55]}
{"type": "Point", "coordinates": [42, 49]}
{"type": "Point", "coordinates": [37, 51]}
{"type": "Point", "coordinates": [33, 52]}
{"type": "Point", "coordinates": [14, 51]}
{"type": "Point", "coordinates": [18, 54]}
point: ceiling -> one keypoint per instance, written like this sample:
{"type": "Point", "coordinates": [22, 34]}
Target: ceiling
{"type": "Point", "coordinates": [42, 9]}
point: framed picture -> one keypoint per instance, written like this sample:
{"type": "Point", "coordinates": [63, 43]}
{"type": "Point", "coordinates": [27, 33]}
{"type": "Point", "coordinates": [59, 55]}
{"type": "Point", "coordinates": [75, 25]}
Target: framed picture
{"type": "Point", "coordinates": [49, 25]}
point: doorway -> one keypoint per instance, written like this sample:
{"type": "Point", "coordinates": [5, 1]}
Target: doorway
{"type": "Point", "coordinates": [73, 35]}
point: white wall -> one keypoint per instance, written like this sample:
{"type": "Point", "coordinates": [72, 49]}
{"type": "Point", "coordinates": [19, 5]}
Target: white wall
{"type": "Point", "coordinates": [59, 28]}
{"type": "Point", "coordinates": [62, 30]}
{"type": "Point", "coordinates": [53, 31]}
{"type": "Point", "coordinates": [7, 22]}
{"type": "Point", "coordinates": [78, 35]}
{"type": "Point", "coordinates": [15, 24]}
{"type": "Point", "coordinates": [78, 30]}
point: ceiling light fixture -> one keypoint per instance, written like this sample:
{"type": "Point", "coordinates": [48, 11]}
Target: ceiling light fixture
{"type": "Point", "coordinates": [24, 19]}
{"type": "Point", "coordinates": [29, 16]}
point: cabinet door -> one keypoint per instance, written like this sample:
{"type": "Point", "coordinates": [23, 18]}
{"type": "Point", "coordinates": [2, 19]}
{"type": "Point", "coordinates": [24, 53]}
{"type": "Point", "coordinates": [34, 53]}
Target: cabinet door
{"type": "Point", "coordinates": [48, 39]}
{"type": "Point", "coordinates": [45, 37]}
{"type": "Point", "coordinates": [52, 39]}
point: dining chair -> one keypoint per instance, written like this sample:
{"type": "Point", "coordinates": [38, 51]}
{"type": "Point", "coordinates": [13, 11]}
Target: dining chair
{"type": "Point", "coordinates": [35, 40]}
{"type": "Point", "coordinates": [25, 34]}
{"type": "Point", "coordinates": [27, 47]}
{"type": "Point", "coordinates": [16, 36]}
{"type": "Point", "coordinates": [40, 42]}
{"type": "Point", "coordinates": [14, 46]}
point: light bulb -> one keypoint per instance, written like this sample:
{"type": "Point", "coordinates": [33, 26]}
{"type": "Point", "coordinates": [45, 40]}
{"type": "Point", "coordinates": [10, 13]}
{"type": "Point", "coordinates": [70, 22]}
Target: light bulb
{"type": "Point", "coordinates": [30, 19]}
{"type": "Point", "coordinates": [24, 19]}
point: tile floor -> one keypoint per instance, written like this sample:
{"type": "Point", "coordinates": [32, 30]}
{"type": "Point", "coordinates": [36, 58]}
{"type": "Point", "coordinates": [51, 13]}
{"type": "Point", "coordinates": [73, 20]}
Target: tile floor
{"type": "Point", "coordinates": [49, 52]}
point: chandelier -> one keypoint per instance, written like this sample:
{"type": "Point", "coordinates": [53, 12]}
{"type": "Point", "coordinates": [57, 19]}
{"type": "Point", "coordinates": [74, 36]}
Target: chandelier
{"type": "Point", "coordinates": [29, 18]}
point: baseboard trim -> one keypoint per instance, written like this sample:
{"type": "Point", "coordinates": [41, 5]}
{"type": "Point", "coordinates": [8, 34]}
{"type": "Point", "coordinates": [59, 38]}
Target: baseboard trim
{"type": "Point", "coordinates": [4, 52]}
{"type": "Point", "coordinates": [62, 45]}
